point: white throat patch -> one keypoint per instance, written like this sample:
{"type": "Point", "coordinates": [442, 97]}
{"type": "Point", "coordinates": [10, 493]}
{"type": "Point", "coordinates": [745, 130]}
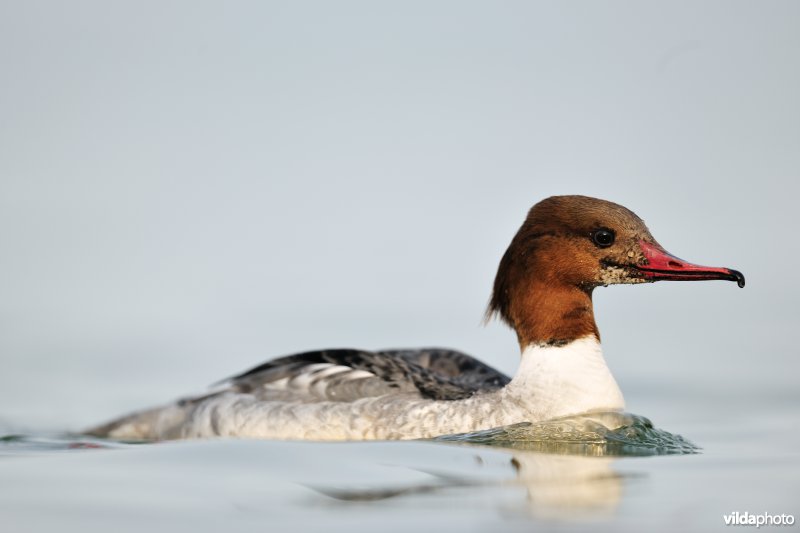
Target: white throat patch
{"type": "Point", "coordinates": [564, 380]}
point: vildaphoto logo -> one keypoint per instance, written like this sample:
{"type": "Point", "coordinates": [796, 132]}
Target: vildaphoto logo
{"type": "Point", "coordinates": [764, 519]}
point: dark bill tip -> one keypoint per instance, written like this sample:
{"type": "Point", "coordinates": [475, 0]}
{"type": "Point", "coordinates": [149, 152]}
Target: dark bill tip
{"type": "Point", "coordinates": [738, 277]}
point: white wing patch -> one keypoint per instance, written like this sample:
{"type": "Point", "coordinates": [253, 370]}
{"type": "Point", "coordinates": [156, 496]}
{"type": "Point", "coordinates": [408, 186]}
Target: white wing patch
{"type": "Point", "coordinates": [313, 381]}
{"type": "Point", "coordinates": [358, 374]}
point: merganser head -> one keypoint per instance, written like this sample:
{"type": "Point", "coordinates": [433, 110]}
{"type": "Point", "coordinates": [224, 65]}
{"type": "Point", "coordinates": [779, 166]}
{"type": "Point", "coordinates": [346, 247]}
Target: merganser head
{"type": "Point", "coordinates": [567, 246]}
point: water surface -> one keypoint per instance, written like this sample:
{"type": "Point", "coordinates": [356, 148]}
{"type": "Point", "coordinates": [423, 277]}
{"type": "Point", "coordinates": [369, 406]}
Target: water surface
{"type": "Point", "coordinates": [569, 474]}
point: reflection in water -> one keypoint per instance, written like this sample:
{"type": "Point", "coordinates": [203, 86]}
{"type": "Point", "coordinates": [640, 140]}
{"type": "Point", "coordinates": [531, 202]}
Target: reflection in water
{"type": "Point", "coordinates": [561, 486]}
{"type": "Point", "coordinates": [558, 486]}
{"type": "Point", "coordinates": [564, 464]}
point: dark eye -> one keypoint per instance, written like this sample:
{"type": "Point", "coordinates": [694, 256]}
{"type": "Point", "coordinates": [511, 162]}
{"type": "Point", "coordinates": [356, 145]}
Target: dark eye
{"type": "Point", "coordinates": [603, 237]}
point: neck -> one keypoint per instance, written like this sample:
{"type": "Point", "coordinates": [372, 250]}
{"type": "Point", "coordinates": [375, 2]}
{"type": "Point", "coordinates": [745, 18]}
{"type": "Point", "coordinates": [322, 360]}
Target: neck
{"type": "Point", "coordinates": [553, 315]}
{"type": "Point", "coordinates": [562, 380]}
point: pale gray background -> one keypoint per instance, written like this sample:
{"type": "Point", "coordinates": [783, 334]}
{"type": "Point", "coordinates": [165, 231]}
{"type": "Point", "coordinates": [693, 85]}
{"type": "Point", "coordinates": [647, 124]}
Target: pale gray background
{"type": "Point", "coordinates": [188, 188]}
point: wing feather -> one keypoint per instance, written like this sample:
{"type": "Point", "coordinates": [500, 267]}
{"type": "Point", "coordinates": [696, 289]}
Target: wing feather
{"type": "Point", "coordinates": [349, 374]}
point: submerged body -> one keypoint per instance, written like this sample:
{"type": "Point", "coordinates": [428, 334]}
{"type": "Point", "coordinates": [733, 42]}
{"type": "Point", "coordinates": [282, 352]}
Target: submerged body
{"type": "Point", "coordinates": [567, 246]}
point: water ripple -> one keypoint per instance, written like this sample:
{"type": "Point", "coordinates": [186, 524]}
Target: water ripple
{"type": "Point", "coordinates": [597, 434]}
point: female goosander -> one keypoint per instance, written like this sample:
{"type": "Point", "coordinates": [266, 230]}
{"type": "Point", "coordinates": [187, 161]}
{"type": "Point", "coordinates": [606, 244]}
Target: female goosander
{"type": "Point", "coordinates": [567, 246]}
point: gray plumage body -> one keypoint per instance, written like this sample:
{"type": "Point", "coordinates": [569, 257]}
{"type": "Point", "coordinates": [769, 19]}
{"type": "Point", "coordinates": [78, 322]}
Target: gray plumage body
{"type": "Point", "coordinates": [395, 394]}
